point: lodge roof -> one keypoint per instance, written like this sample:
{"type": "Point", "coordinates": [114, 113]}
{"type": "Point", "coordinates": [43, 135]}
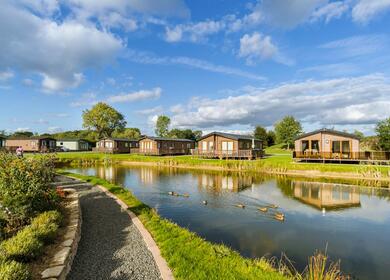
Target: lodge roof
{"type": "Point", "coordinates": [119, 139]}
{"type": "Point", "coordinates": [167, 139]}
{"type": "Point", "coordinates": [230, 136]}
{"type": "Point", "coordinates": [328, 131]}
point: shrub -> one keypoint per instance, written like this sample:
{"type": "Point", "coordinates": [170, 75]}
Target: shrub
{"type": "Point", "coordinates": [24, 187]}
{"type": "Point", "coordinates": [46, 225]}
{"type": "Point", "coordinates": [22, 247]}
{"type": "Point", "coordinates": [14, 271]}
{"type": "Point", "coordinates": [28, 243]}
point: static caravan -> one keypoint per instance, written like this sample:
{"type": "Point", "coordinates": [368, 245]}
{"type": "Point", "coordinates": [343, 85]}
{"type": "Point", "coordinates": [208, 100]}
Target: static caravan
{"type": "Point", "coordinates": [227, 145]}
{"type": "Point", "coordinates": [74, 144]}
{"type": "Point", "coordinates": [150, 145]}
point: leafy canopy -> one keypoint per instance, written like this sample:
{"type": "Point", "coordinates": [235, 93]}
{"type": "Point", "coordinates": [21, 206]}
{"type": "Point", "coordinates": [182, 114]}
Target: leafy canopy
{"type": "Point", "coordinates": [104, 119]}
{"type": "Point", "coordinates": [287, 129]}
{"type": "Point", "coordinates": [383, 131]}
{"type": "Point", "coordinates": [162, 125]}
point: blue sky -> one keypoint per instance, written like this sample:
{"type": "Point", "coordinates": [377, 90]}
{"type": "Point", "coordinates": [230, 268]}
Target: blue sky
{"type": "Point", "coordinates": [210, 65]}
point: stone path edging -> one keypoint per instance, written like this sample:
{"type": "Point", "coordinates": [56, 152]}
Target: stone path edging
{"type": "Point", "coordinates": [61, 261]}
{"type": "Point", "coordinates": [165, 271]}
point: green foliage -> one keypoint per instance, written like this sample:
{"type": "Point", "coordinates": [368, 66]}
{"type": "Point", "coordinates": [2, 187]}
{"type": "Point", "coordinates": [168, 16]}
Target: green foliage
{"type": "Point", "coordinates": [359, 134]}
{"type": "Point", "coordinates": [104, 119]}
{"type": "Point", "coordinates": [129, 133]}
{"type": "Point", "coordinates": [28, 243]}
{"type": "Point", "coordinates": [26, 134]}
{"type": "Point", "coordinates": [271, 138]}
{"type": "Point", "coordinates": [260, 133]}
{"type": "Point", "coordinates": [24, 188]}
{"type": "Point", "coordinates": [185, 134]}
{"type": "Point", "coordinates": [12, 270]}
{"type": "Point", "coordinates": [383, 131]}
{"type": "Point", "coordinates": [89, 135]}
{"type": "Point", "coordinates": [287, 129]}
{"type": "Point", "coordinates": [162, 126]}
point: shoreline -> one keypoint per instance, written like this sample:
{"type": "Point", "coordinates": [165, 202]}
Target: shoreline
{"type": "Point", "coordinates": [293, 173]}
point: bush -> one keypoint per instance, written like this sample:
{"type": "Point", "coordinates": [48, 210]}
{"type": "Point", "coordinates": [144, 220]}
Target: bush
{"type": "Point", "coordinates": [24, 187]}
{"type": "Point", "coordinates": [28, 243]}
{"type": "Point", "coordinates": [14, 271]}
{"type": "Point", "coordinates": [24, 246]}
{"type": "Point", "coordinates": [46, 225]}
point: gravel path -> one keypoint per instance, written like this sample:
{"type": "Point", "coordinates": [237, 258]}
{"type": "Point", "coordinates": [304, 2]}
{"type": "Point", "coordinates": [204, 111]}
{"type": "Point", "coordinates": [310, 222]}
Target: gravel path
{"type": "Point", "coordinates": [111, 247]}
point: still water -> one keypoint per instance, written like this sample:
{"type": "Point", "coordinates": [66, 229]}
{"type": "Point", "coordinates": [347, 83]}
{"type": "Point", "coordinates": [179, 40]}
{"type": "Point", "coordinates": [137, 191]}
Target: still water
{"type": "Point", "coordinates": [352, 222]}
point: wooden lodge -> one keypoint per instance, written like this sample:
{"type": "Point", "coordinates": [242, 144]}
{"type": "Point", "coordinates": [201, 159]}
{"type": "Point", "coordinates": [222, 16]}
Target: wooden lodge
{"type": "Point", "coordinates": [226, 145]}
{"type": "Point", "coordinates": [328, 145]}
{"type": "Point", "coordinates": [2, 142]}
{"type": "Point", "coordinates": [116, 146]}
{"type": "Point", "coordinates": [31, 144]}
{"type": "Point", "coordinates": [160, 146]}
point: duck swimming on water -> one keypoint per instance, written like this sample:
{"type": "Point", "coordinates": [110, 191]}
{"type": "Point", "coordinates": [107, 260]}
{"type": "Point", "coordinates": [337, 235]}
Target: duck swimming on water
{"type": "Point", "coordinates": [240, 205]}
{"type": "Point", "coordinates": [204, 202]}
{"type": "Point", "coordinates": [263, 209]}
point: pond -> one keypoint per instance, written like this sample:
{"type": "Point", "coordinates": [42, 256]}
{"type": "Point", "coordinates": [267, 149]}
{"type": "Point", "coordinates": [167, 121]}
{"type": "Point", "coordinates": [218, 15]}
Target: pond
{"type": "Point", "coordinates": [352, 222]}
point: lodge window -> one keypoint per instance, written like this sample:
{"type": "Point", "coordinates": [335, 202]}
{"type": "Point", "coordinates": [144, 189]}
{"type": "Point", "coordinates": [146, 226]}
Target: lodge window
{"type": "Point", "coordinates": [188, 145]}
{"type": "Point", "coordinates": [248, 145]}
{"type": "Point", "coordinates": [211, 146]}
{"type": "Point", "coordinates": [345, 147]}
{"type": "Point", "coordinates": [305, 145]}
{"type": "Point", "coordinates": [336, 147]}
{"type": "Point", "coordinates": [315, 145]}
{"type": "Point", "coordinates": [204, 146]}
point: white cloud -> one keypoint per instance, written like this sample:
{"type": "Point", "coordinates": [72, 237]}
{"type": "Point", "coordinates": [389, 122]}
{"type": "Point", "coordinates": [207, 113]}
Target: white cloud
{"type": "Point", "coordinates": [358, 45]}
{"type": "Point", "coordinates": [87, 99]}
{"type": "Point", "coordinates": [365, 98]}
{"type": "Point", "coordinates": [57, 51]}
{"type": "Point", "coordinates": [136, 96]}
{"type": "Point", "coordinates": [146, 58]}
{"type": "Point", "coordinates": [6, 75]}
{"type": "Point", "coordinates": [28, 82]}
{"type": "Point", "coordinates": [366, 10]}
{"type": "Point", "coordinates": [177, 109]}
{"type": "Point", "coordinates": [332, 70]}
{"type": "Point", "coordinates": [42, 7]}
{"type": "Point", "coordinates": [151, 111]}
{"type": "Point", "coordinates": [332, 10]}
{"type": "Point", "coordinates": [54, 129]}
{"type": "Point", "coordinates": [22, 129]}
{"type": "Point", "coordinates": [256, 47]}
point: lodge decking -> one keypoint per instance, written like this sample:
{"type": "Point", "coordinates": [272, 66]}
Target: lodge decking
{"type": "Point", "coordinates": [240, 154]}
{"type": "Point", "coordinates": [345, 157]}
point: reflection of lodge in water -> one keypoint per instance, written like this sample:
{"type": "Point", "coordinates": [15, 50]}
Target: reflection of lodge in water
{"type": "Point", "coordinates": [219, 182]}
{"type": "Point", "coordinates": [326, 195]}
{"type": "Point", "coordinates": [108, 173]}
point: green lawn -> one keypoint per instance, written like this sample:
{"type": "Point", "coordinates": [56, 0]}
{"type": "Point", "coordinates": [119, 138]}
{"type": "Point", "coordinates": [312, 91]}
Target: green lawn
{"type": "Point", "coordinates": [188, 255]}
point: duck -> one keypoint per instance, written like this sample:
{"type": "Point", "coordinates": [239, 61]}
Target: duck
{"type": "Point", "coordinates": [279, 216]}
{"type": "Point", "coordinates": [240, 205]}
{"type": "Point", "coordinates": [171, 193]}
{"type": "Point", "coordinates": [263, 209]}
{"type": "Point", "coordinates": [273, 206]}
{"type": "Point", "coordinates": [186, 195]}
{"type": "Point", "coordinates": [204, 202]}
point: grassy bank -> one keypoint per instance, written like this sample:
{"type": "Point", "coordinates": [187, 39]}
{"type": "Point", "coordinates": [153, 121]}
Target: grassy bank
{"type": "Point", "coordinates": [278, 163]}
{"type": "Point", "coordinates": [188, 255]}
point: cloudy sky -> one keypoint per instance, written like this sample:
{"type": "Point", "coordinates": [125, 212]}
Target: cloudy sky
{"type": "Point", "coordinates": [211, 65]}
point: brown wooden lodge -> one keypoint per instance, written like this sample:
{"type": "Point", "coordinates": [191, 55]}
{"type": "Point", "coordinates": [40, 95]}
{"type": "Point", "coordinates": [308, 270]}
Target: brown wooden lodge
{"type": "Point", "coordinates": [227, 145]}
{"type": "Point", "coordinates": [161, 146]}
{"type": "Point", "coordinates": [31, 144]}
{"type": "Point", "coordinates": [116, 146]}
{"type": "Point", "coordinates": [328, 145]}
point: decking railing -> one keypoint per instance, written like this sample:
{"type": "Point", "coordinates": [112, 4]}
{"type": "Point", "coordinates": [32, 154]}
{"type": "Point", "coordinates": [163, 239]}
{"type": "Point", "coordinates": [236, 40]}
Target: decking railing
{"type": "Point", "coordinates": [367, 156]}
{"type": "Point", "coordinates": [163, 151]}
{"type": "Point", "coordinates": [250, 154]}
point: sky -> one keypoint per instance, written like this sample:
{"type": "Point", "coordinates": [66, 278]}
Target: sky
{"type": "Point", "coordinates": [210, 65]}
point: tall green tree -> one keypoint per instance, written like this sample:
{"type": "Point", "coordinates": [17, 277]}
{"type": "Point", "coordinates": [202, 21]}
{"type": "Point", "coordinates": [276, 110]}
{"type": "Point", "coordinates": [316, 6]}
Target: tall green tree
{"type": "Point", "coordinates": [185, 134]}
{"type": "Point", "coordinates": [129, 133]}
{"type": "Point", "coordinates": [287, 129]}
{"type": "Point", "coordinates": [383, 131]}
{"type": "Point", "coordinates": [358, 134]}
{"type": "Point", "coordinates": [104, 119]}
{"type": "Point", "coordinates": [271, 138]}
{"type": "Point", "coordinates": [260, 133]}
{"type": "Point", "coordinates": [22, 134]}
{"type": "Point", "coordinates": [162, 126]}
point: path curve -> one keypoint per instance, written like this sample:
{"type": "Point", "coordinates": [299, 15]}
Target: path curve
{"type": "Point", "coordinates": [111, 247]}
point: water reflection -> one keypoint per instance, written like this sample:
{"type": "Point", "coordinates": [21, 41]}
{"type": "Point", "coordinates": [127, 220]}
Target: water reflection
{"type": "Point", "coordinates": [325, 195]}
{"type": "Point", "coordinates": [221, 182]}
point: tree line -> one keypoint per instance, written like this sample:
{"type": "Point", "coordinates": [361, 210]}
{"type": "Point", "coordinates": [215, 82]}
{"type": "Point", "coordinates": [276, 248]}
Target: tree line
{"type": "Point", "coordinates": [103, 120]}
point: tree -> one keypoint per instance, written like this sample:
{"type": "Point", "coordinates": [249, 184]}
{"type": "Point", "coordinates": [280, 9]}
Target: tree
{"type": "Point", "coordinates": [129, 133]}
{"type": "Point", "coordinates": [383, 131]}
{"type": "Point", "coordinates": [359, 134]}
{"type": "Point", "coordinates": [271, 138]}
{"type": "Point", "coordinates": [260, 133]}
{"type": "Point", "coordinates": [104, 119]}
{"type": "Point", "coordinates": [22, 134]}
{"type": "Point", "coordinates": [162, 125]}
{"type": "Point", "coordinates": [287, 129]}
{"type": "Point", "coordinates": [185, 134]}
